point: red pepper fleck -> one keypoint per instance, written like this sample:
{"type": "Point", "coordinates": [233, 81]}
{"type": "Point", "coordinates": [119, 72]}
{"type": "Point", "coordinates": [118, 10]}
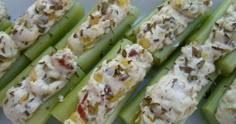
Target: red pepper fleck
{"type": "Point", "coordinates": [133, 53]}
{"type": "Point", "coordinates": [81, 112]}
{"type": "Point", "coordinates": [124, 77]}
{"type": "Point", "coordinates": [80, 109]}
{"type": "Point", "coordinates": [63, 63]}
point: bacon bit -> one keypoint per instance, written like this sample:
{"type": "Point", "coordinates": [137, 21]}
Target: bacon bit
{"type": "Point", "coordinates": [67, 66]}
{"type": "Point", "coordinates": [133, 53]}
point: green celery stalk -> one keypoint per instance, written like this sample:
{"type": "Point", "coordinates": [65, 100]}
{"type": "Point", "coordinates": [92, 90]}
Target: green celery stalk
{"type": "Point", "coordinates": [107, 41]}
{"type": "Point", "coordinates": [22, 75]}
{"type": "Point", "coordinates": [161, 55]}
{"type": "Point", "coordinates": [5, 24]}
{"type": "Point", "coordinates": [130, 112]}
{"type": "Point", "coordinates": [67, 22]}
{"type": "Point", "coordinates": [46, 40]}
{"type": "Point", "coordinates": [104, 43]}
{"type": "Point", "coordinates": [15, 68]}
{"type": "Point", "coordinates": [42, 114]}
{"type": "Point", "coordinates": [64, 109]}
{"type": "Point", "coordinates": [209, 107]}
{"type": "Point", "coordinates": [227, 64]}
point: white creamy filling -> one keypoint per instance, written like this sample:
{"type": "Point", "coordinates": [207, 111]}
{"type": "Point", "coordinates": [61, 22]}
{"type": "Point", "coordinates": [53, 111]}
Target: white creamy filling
{"type": "Point", "coordinates": [3, 11]}
{"type": "Point", "coordinates": [191, 8]}
{"type": "Point", "coordinates": [102, 21]}
{"type": "Point", "coordinates": [226, 111]}
{"type": "Point", "coordinates": [8, 52]}
{"type": "Point", "coordinates": [110, 83]}
{"type": "Point", "coordinates": [45, 79]}
{"type": "Point", "coordinates": [37, 20]}
{"type": "Point", "coordinates": [163, 28]}
{"type": "Point", "coordinates": [179, 88]}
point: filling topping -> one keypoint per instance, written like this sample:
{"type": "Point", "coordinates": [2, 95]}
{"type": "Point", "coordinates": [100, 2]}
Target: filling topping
{"type": "Point", "coordinates": [174, 97]}
{"type": "Point", "coordinates": [171, 20]}
{"type": "Point", "coordinates": [8, 52]}
{"type": "Point", "coordinates": [48, 76]}
{"type": "Point", "coordinates": [110, 83]}
{"type": "Point", "coordinates": [37, 20]}
{"type": "Point", "coordinates": [108, 15]}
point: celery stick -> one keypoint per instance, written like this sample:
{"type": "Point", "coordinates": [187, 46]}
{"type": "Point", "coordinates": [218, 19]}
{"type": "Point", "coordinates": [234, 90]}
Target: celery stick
{"type": "Point", "coordinates": [63, 41]}
{"type": "Point", "coordinates": [15, 68]}
{"type": "Point", "coordinates": [64, 109]}
{"type": "Point", "coordinates": [22, 75]}
{"type": "Point", "coordinates": [106, 42]}
{"type": "Point", "coordinates": [5, 24]}
{"type": "Point", "coordinates": [208, 109]}
{"type": "Point", "coordinates": [129, 113]}
{"type": "Point", "coordinates": [43, 112]}
{"type": "Point", "coordinates": [203, 33]}
{"type": "Point", "coordinates": [227, 64]}
{"type": "Point", "coordinates": [46, 40]}
{"type": "Point", "coordinates": [58, 30]}
{"type": "Point", "coordinates": [161, 55]}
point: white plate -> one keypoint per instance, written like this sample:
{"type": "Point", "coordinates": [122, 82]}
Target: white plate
{"type": "Point", "coordinates": [17, 8]}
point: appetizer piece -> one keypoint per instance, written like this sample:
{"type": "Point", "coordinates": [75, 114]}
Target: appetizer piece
{"type": "Point", "coordinates": [105, 89]}
{"type": "Point", "coordinates": [187, 79]}
{"type": "Point", "coordinates": [39, 28]}
{"type": "Point", "coordinates": [167, 27]}
{"type": "Point", "coordinates": [4, 18]}
{"type": "Point", "coordinates": [8, 52]}
{"type": "Point", "coordinates": [46, 78]}
{"type": "Point", "coordinates": [219, 108]}
{"type": "Point", "coordinates": [99, 30]}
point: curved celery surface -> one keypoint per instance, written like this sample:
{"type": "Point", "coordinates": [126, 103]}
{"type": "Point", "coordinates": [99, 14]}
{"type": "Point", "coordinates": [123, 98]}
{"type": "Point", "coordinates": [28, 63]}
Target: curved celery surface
{"type": "Point", "coordinates": [57, 32]}
{"type": "Point", "coordinates": [42, 114]}
{"type": "Point", "coordinates": [209, 107]}
{"type": "Point", "coordinates": [15, 68]}
{"type": "Point", "coordinates": [46, 40]}
{"type": "Point", "coordinates": [64, 109]}
{"type": "Point", "coordinates": [5, 24]}
{"type": "Point", "coordinates": [129, 113]}
{"type": "Point", "coordinates": [104, 43]}
{"type": "Point", "coordinates": [227, 64]}
{"type": "Point", "coordinates": [161, 55]}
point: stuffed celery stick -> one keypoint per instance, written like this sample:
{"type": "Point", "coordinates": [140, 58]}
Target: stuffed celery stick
{"type": "Point", "coordinates": [4, 18]}
{"type": "Point", "coordinates": [99, 30]}
{"type": "Point", "coordinates": [187, 78]}
{"type": "Point", "coordinates": [220, 105]}
{"type": "Point", "coordinates": [117, 75]}
{"type": "Point", "coordinates": [39, 28]}
{"type": "Point", "coordinates": [36, 92]}
{"type": "Point", "coordinates": [166, 28]}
